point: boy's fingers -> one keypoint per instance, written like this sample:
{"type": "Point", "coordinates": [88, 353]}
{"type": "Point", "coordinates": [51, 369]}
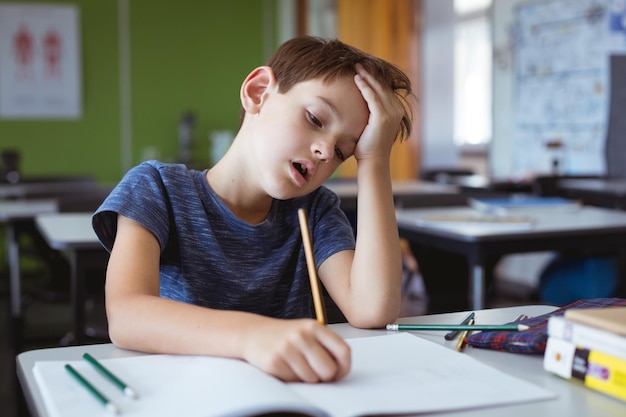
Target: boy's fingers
{"type": "Point", "coordinates": [283, 371]}
{"type": "Point", "coordinates": [382, 93]}
{"type": "Point", "coordinates": [313, 353]}
{"type": "Point", "coordinates": [366, 76]}
{"type": "Point", "coordinates": [377, 96]}
{"type": "Point", "coordinates": [301, 368]}
{"type": "Point", "coordinates": [322, 356]}
{"type": "Point", "coordinates": [338, 350]}
{"type": "Point", "coordinates": [366, 90]}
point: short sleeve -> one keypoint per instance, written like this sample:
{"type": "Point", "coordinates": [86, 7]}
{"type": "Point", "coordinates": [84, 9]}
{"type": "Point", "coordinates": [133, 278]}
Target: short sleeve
{"type": "Point", "coordinates": [331, 228]}
{"type": "Point", "coordinates": [140, 196]}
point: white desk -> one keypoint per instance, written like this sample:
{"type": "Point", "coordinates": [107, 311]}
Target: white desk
{"type": "Point", "coordinates": [74, 234]}
{"type": "Point", "coordinates": [587, 228]}
{"type": "Point", "coordinates": [65, 231]}
{"type": "Point", "coordinates": [573, 400]}
{"type": "Point", "coordinates": [12, 214]}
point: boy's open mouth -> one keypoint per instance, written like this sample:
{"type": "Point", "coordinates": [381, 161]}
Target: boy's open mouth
{"type": "Point", "coordinates": [300, 168]}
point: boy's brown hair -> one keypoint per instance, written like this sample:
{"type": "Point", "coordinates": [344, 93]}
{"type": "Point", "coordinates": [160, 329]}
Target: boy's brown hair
{"type": "Point", "coordinates": [306, 58]}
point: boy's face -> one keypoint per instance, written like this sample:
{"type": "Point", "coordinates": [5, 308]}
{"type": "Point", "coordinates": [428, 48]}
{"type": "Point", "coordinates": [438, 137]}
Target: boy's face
{"type": "Point", "coordinates": [303, 135]}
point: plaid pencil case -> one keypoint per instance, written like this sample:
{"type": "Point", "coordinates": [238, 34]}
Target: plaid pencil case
{"type": "Point", "coordinates": [534, 339]}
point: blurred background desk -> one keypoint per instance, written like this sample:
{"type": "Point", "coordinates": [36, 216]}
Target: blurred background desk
{"type": "Point", "coordinates": [16, 215]}
{"type": "Point", "coordinates": [73, 234]}
{"type": "Point", "coordinates": [19, 203]}
{"type": "Point", "coordinates": [405, 193]}
{"type": "Point", "coordinates": [604, 192]}
{"type": "Point", "coordinates": [46, 186]}
{"type": "Point", "coordinates": [587, 230]}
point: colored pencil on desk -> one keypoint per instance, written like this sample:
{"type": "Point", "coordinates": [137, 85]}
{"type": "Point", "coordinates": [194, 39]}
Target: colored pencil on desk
{"type": "Point", "coordinates": [128, 391]}
{"type": "Point", "coordinates": [446, 327]}
{"type": "Point", "coordinates": [108, 405]}
{"type": "Point", "coordinates": [461, 343]}
{"type": "Point", "coordinates": [318, 301]}
{"type": "Point", "coordinates": [454, 333]}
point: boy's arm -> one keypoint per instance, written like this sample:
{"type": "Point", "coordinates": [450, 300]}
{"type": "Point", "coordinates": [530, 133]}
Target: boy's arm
{"type": "Point", "coordinates": [371, 297]}
{"type": "Point", "coordinates": [293, 350]}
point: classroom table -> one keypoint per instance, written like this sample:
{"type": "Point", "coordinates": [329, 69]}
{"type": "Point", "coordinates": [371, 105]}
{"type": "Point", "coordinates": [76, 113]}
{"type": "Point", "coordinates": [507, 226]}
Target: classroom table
{"type": "Point", "coordinates": [553, 230]}
{"type": "Point", "coordinates": [74, 234]}
{"type": "Point", "coordinates": [573, 400]}
{"type": "Point", "coordinates": [14, 214]}
{"type": "Point", "coordinates": [45, 187]}
{"type": "Point", "coordinates": [406, 193]}
{"type": "Point", "coordinates": [606, 192]}
{"type": "Point", "coordinates": [476, 184]}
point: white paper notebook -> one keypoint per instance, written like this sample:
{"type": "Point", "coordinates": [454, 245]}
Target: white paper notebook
{"type": "Point", "coordinates": [391, 374]}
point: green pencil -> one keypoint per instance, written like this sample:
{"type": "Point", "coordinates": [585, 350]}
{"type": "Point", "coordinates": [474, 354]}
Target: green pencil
{"type": "Point", "coordinates": [128, 391]}
{"type": "Point", "coordinates": [446, 327]}
{"type": "Point", "coordinates": [108, 405]}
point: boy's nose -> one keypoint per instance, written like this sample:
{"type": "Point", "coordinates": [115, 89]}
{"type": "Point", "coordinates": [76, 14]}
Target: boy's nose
{"type": "Point", "coordinates": [323, 150]}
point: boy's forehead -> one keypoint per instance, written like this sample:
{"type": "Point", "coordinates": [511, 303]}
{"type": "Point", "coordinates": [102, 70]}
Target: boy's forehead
{"type": "Point", "coordinates": [342, 98]}
{"type": "Point", "coordinates": [337, 93]}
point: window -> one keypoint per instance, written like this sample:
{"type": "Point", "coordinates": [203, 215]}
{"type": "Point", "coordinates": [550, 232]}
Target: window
{"type": "Point", "coordinates": [472, 78]}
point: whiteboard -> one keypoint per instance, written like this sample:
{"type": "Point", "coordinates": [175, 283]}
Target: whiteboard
{"type": "Point", "coordinates": [559, 71]}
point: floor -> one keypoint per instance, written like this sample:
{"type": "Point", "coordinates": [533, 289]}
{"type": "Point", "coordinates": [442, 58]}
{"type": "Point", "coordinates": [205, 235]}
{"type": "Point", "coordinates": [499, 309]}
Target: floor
{"type": "Point", "coordinates": [46, 325]}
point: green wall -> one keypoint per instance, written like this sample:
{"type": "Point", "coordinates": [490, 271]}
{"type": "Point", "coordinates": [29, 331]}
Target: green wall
{"type": "Point", "coordinates": [184, 55]}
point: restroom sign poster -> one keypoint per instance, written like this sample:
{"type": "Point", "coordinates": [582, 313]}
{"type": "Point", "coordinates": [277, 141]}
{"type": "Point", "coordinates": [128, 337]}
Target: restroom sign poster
{"type": "Point", "coordinates": [40, 61]}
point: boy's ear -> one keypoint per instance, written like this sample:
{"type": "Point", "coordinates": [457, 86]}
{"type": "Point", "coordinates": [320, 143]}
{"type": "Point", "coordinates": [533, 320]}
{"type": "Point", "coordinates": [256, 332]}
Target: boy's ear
{"type": "Point", "coordinates": [255, 87]}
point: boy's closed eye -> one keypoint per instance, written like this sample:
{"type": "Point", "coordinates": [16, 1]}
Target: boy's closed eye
{"type": "Point", "coordinates": [339, 153]}
{"type": "Point", "coordinates": [313, 119]}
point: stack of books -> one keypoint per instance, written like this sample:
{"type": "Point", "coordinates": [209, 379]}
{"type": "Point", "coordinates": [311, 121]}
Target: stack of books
{"type": "Point", "coordinates": [589, 345]}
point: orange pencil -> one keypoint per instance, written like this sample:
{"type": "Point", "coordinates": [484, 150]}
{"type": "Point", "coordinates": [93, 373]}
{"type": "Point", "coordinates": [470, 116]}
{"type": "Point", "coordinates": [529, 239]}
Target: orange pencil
{"type": "Point", "coordinates": [318, 301]}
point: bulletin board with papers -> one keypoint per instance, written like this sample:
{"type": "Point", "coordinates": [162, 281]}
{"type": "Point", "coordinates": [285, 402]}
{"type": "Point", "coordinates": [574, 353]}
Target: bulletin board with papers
{"type": "Point", "coordinates": [562, 84]}
{"type": "Point", "coordinates": [40, 61]}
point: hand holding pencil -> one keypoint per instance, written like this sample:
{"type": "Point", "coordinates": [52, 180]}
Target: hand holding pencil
{"type": "Point", "coordinates": [300, 350]}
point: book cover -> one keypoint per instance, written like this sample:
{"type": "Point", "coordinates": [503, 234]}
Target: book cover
{"type": "Point", "coordinates": [596, 370]}
{"type": "Point", "coordinates": [611, 319]}
{"type": "Point", "coordinates": [587, 336]}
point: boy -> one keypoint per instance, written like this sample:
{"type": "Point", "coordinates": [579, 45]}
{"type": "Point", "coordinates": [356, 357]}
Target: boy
{"type": "Point", "coordinates": [212, 262]}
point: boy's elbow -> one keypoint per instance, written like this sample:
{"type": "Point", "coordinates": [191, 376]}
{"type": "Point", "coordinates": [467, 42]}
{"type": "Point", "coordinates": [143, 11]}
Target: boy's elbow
{"type": "Point", "coordinates": [372, 318]}
{"type": "Point", "coordinates": [118, 328]}
{"type": "Point", "coordinates": [115, 333]}
{"type": "Point", "coordinates": [117, 340]}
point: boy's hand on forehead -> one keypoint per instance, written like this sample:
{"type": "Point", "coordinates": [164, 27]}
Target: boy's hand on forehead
{"type": "Point", "coordinates": [384, 119]}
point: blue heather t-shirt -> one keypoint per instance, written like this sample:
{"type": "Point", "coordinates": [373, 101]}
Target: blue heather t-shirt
{"type": "Point", "coordinates": [211, 258]}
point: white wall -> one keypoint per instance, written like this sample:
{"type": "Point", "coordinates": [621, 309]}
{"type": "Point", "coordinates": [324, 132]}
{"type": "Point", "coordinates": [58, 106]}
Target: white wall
{"type": "Point", "coordinates": [437, 95]}
{"type": "Point", "coordinates": [501, 146]}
